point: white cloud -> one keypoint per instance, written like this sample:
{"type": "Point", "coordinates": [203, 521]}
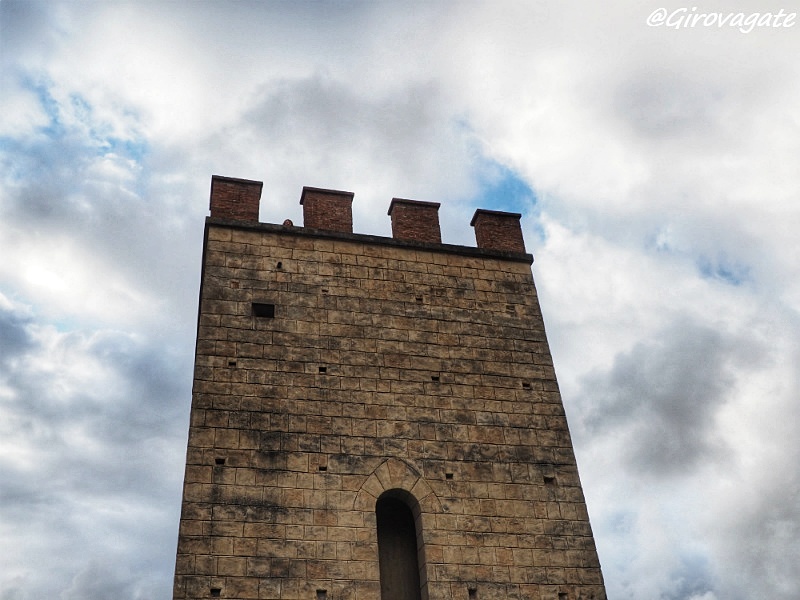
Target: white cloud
{"type": "Point", "coordinates": [22, 111]}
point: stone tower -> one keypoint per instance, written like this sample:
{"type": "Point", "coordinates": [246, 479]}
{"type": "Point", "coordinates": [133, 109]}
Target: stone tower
{"type": "Point", "coordinates": [375, 418]}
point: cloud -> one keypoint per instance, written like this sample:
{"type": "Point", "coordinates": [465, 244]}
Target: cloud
{"type": "Point", "coordinates": [661, 398]}
{"type": "Point", "coordinates": [319, 131]}
{"type": "Point", "coordinates": [679, 388]}
{"type": "Point", "coordinates": [101, 579]}
{"type": "Point", "coordinates": [77, 201]}
{"type": "Point", "coordinates": [91, 427]}
{"type": "Point", "coordinates": [654, 168]}
{"type": "Point", "coordinates": [14, 336]}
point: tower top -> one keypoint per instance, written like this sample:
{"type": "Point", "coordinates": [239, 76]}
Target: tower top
{"type": "Point", "coordinates": [332, 211]}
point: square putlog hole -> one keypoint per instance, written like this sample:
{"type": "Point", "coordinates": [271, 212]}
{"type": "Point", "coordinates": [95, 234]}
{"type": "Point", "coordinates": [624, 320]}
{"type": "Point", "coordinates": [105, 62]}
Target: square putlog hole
{"type": "Point", "coordinates": [263, 310]}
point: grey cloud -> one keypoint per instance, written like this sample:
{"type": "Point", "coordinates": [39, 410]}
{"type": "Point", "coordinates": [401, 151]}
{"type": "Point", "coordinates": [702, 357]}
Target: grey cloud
{"type": "Point", "coordinates": [12, 593]}
{"type": "Point", "coordinates": [149, 376]}
{"type": "Point", "coordinates": [664, 104]}
{"type": "Point", "coordinates": [102, 580]}
{"type": "Point", "coordinates": [15, 338]}
{"type": "Point", "coordinates": [762, 539]}
{"type": "Point", "coordinates": [21, 22]}
{"type": "Point", "coordinates": [146, 403]}
{"type": "Point", "coordinates": [104, 478]}
{"type": "Point", "coordinates": [98, 581]}
{"type": "Point", "coordinates": [661, 398]}
{"type": "Point", "coordinates": [319, 130]}
{"type": "Point", "coordinates": [691, 579]}
{"type": "Point", "coordinates": [333, 114]}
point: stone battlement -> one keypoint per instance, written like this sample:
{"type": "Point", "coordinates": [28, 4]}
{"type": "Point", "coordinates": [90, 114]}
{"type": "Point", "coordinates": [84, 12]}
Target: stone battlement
{"type": "Point", "coordinates": [332, 210]}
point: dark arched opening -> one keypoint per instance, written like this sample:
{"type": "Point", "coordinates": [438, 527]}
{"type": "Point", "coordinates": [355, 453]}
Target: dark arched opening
{"type": "Point", "coordinates": [397, 549]}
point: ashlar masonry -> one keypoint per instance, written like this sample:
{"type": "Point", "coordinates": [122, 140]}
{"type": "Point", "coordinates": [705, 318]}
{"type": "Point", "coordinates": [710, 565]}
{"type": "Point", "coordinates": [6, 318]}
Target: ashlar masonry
{"type": "Point", "coordinates": [375, 418]}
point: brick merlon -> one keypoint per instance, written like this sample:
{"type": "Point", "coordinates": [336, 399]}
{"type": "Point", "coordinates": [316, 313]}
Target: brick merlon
{"type": "Point", "coordinates": [235, 199]}
{"type": "Point", "coordinates": [498, 230]}
{"type": "Point", "coordinates": [329, 210]}
{"type": "Point", "coordinates": [415, 220]}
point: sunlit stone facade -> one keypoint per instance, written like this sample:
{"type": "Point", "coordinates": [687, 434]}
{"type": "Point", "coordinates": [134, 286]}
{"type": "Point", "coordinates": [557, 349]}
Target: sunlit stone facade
{"type": "Point", "coordinates": [336, 370]}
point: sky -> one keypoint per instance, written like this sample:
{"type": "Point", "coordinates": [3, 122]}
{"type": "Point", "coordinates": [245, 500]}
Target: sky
{"type": "Point", "coordinates": [653, 156]}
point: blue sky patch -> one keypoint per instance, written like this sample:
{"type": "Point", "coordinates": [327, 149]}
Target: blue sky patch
{"type": "Point", "coordinates": [49, 104]}
{"type": "Point", "coordinates": [733, 273]}
{"type": "Point", "coordinates": [135, 149]}
{"type": "Point", "coordinates": [72, 138]}
{"type": "Point", "coordinates": [100, 133]}
{"type": "Point", "coordinates": [504, 190]}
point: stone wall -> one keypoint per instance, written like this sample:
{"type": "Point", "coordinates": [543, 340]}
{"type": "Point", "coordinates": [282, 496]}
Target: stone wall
{"type": "Point", "coordinates": [384, 366]}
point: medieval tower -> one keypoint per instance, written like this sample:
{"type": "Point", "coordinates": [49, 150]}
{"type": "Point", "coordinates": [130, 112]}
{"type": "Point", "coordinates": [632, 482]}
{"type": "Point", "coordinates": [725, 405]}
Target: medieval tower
{"type": "Point", "coordinates": [375, 418]}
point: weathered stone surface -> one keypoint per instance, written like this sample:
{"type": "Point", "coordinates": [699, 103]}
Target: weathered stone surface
{"type": "Point", "coordinates": [422, 369]}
